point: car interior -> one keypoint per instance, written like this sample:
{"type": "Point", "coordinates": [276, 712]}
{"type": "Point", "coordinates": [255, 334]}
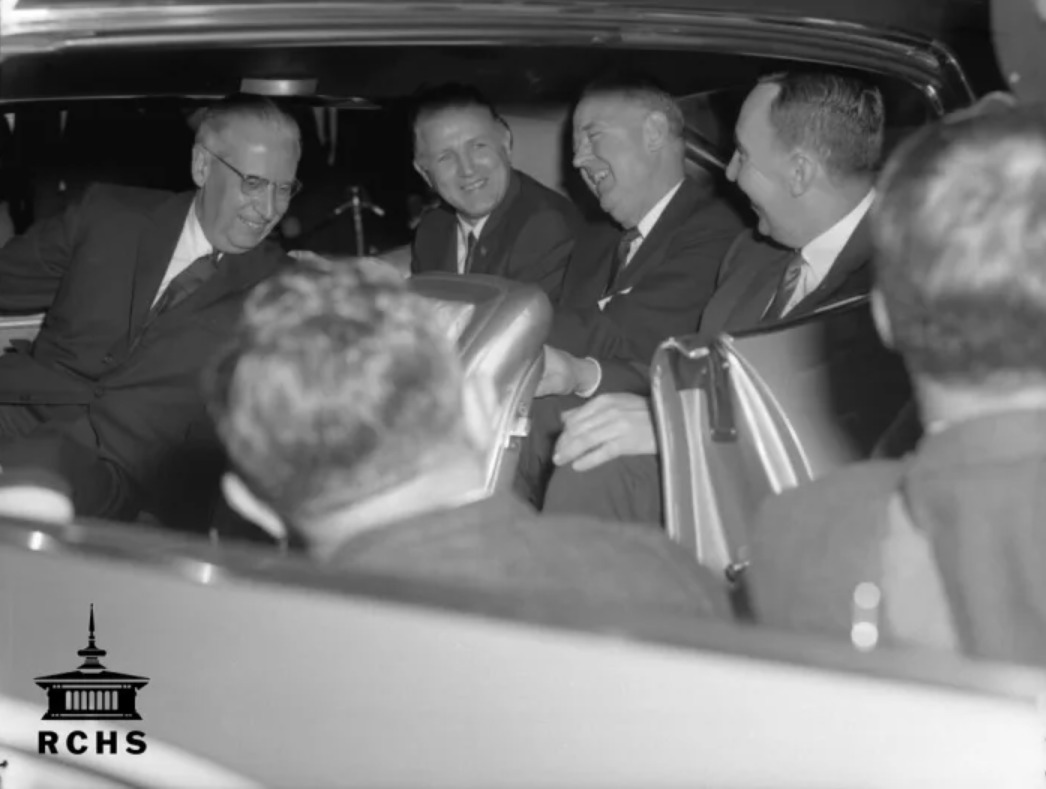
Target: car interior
{"type": "Point", "coordinates": [245, 643]}
{"type": "Point", "coordinates": [351, 104]}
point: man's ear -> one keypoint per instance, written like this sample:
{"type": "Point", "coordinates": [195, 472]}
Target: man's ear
{"type": "Point", "coordinates": [201, 166]}
{"type": "Point", "coordinates": [248, 505]}
{"type": "Point", "coordinates": [803, 172]}
{"type": "Point", "coordinates": [423, 173]}
{"type": "Point", "coordinates": [480, 404]}
{"type": "Point", "coordinates": [655, 130]}
{"type": "Point", "coordinates": [882, 318]}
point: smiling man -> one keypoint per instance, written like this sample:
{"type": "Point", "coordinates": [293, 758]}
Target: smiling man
{"type": "Point", "coordinates": [633, 282]}
{"type": "Point", "coordinates": [138, 287]}
{"type": "Point", "coordinates": [808, 145]}
{"type": "Point", "coordinates": [493, 219]}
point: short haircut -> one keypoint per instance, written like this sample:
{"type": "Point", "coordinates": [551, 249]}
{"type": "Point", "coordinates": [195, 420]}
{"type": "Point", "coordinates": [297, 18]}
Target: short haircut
{"type": "Point", "coordinates": [432, 100]}
{"type": "Point", "coordinates": [839, 119]}
{"type": "Point", "coordinates": [238, 106]}
{"type": "Point", "coordinates": [960, 230]}
{"type": "Point", "coordinates": [339, 383]}
{"type": "Point", "coordinates": [643, 90]}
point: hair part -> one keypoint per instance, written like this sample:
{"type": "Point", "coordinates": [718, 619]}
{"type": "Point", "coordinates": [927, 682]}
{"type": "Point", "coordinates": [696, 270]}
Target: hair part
{"type": "Point", "coordinates": [244, 106]}
{"type": "Point", "coordinates": [339, 383]}
{"type": "Point", "coordinates": [960, 231]}
{"type": "Point", "coordinates": [838, 119]}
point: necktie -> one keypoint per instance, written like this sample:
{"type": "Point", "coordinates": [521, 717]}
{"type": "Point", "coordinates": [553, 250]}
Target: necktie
{"type": "Point", "coordinates": [785, 288]}
{"type": "Point", "coordinates": [623, 247]}
{"type": "Point", "coordinates": [179, 288]}
{"type": "Point", "coordinates": [470, 246]}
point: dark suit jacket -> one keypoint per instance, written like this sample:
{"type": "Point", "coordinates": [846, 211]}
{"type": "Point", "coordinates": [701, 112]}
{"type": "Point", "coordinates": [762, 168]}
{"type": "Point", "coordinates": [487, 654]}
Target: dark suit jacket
{"type": "Point", "coordinates": [978, 490]}
{"type": "Point", "coordinates": [753, 268]}
{"type": "Point", "coordinates": [501, 544]}
{"type": "Point", "coordinates": [95, 270]}
{"type": "Point", "coordinates": [669, 280]}
{"type": "Point", "coordinates": [528, 237]}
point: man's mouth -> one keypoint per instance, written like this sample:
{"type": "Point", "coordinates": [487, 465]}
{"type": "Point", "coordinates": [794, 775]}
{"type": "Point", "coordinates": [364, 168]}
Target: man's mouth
{"type": "Point", "coordinates": [474, 187]}
{"type": "Point", "coordinates": [596, 178]}
{"type": "Point", "coordinates": [254, 224]}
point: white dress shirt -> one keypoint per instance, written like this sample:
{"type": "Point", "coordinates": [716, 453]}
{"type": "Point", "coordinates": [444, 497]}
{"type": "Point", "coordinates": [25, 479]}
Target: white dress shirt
{"type": "Point", "coordinates": [645, 226]}
{"type": "Point", "coordinates": [820, 254]}
{"type": "Point", "coordinates": [464, 228]}
{"type": "Point", "coordinates": [192, 245]}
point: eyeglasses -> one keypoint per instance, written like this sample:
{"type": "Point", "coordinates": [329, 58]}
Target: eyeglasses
{"type": "Point", "coordinates": [254, 186]}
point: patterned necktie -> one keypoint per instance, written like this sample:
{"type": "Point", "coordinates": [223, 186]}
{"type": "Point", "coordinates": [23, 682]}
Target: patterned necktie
{"type": "Point", "coordinates": [785, 288]}
{"type": "Point", "coordinates": [618, 265]}
{"type": "Point", "coordinates": [470, 246]}
{"type": "Point", "coordinates": [179, 288]}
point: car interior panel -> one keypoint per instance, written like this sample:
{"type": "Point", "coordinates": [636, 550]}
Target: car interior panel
{"type": "Point", "coordinates": [243, 651]}
{"type": "Point", "coordinates": [500, 328]}
{"type": "Point", "coordinates": [746, 417]}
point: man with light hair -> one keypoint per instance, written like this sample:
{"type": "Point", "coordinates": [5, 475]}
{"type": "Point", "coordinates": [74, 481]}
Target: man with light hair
{"type": "Point", "coordinates": [138, 286]}
{"type": "Point", "coordinates": [951, 537]}
{"type": "Point", "coordinates": [347, 420]}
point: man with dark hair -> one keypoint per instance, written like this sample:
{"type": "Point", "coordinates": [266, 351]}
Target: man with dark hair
{"type": "Point", "coordinates": [945, 547]}
{"type": "Point", "coordinates": [138, 286]}
{"type": "Point", "coordinates": [807, 147]}
{"type": "Point", "coordinates": [346, 417]}
{"type": "Point", "coordinates": [639, 280]}
{"type": "Point", "coordinates": [493, 219]}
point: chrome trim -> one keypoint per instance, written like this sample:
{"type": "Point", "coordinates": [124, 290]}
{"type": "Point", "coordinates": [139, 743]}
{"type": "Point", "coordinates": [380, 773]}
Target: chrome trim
{"type": "Point", "coordinates": [924, 62]}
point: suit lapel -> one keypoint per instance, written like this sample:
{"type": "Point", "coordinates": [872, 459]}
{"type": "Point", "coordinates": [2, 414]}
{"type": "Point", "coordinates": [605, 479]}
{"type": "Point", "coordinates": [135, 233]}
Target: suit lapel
{"type": "Point", "coordinates": [160, 232]}
{"type": "Point", "coordinates": [754, 268]}
{"type": "Point", "coordinates": [236, 273]}
{"type": "Point", "coordinates": [855, 254]}
{"type": "Point", "coordinates": [679, 209]}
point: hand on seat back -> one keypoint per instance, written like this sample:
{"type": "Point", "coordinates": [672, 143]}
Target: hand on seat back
{"type": "Point", "coordinates": [608, 427]}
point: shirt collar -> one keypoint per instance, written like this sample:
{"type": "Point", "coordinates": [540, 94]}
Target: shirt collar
{"type": "Point", "coordinates": [465, 228]}
{"type": "Point", "coordinates": [195, 240]}
{"type": "Point", "coordinates": [646, 224]}
{"type": "Point", "coordinates": [821, 253]}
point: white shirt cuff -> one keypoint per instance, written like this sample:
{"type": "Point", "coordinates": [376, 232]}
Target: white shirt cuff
{"type": "Point", "coordinates": [587, 393]}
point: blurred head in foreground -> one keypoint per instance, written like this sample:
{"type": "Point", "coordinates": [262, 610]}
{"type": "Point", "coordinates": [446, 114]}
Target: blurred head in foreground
{"type": "Point", "coordinates": [960, 232]}
{"type": "Point", "coordinates": [342, 405]}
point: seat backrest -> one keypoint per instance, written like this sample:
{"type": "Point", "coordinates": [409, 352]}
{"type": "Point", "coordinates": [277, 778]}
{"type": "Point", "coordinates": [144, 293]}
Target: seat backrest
{"type": "Point", "coordinates": [500, 328]}
{"type": "Point", "coordinates": [746, 417]}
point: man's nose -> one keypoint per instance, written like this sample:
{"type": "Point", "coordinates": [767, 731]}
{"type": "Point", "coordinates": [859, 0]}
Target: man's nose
{"type": "Point", "coordinates": [468, 167]}
{"type": "Point", "coordinates": [266, 202]}
{"type": "Point", "coordinates": [582, 151]}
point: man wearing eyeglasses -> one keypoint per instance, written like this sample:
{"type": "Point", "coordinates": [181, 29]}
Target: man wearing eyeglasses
{"type": "Point", "coordinates": [139, 286]}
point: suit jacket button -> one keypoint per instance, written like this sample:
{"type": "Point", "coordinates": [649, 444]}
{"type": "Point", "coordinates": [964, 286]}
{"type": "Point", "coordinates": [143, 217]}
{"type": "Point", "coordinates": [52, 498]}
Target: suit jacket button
{"type": "Point", "coordinates": [99, 391]}
{"type": "Point", "coordinates": [107, 359]}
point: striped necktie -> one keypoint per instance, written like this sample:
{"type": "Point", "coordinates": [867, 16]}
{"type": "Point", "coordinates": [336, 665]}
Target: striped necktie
{"type": "Point", "coordinates": [621, 257]}
{"type": "Point", "coordinates": [785, 288]}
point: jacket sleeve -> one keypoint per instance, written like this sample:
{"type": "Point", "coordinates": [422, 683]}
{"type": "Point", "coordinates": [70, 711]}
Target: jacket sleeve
{"type": "Point", "coordinates": [666, 302]}
{"type": "Point", "coordinates": [32, 265]}
{"type": "Point", "coordinates": [542, 258]}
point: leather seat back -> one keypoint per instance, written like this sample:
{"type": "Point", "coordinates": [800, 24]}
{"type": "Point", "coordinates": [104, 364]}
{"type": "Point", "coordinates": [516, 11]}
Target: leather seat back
{"type": "Point", "coordinates": [500, 329]}
{"type": "Point", "coordinates": [746, 417]}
